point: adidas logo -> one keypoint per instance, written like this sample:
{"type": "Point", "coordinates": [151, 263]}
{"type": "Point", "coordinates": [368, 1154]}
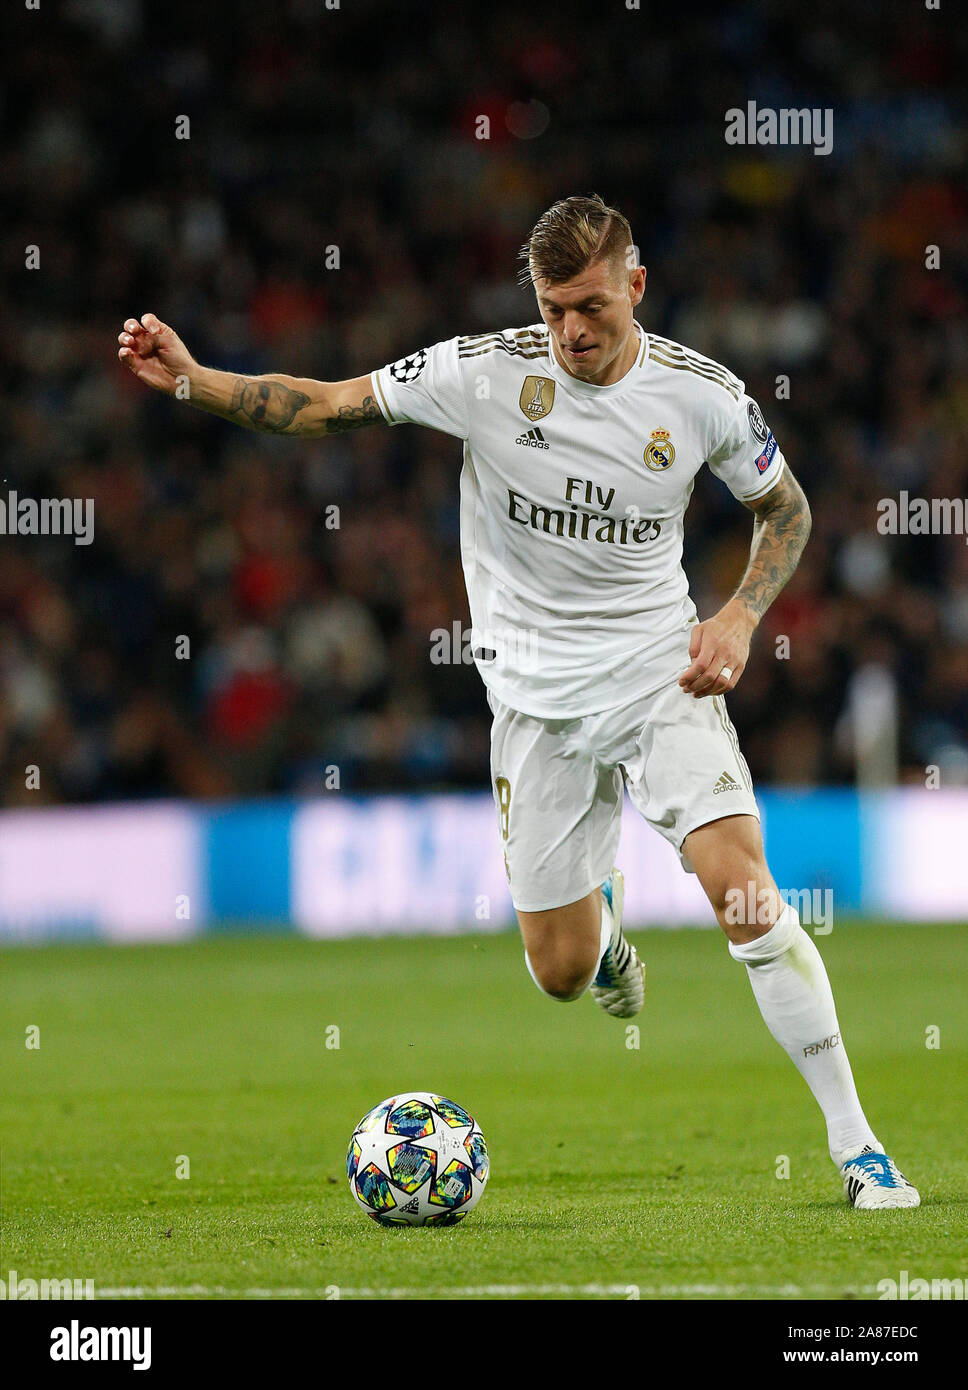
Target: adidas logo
{"type": "Point", "coordinates": [726, 784]}
{"type": "Point", "coordinates": [856, 1184]}
{"type": "Point", "coordinates": [412, 1206]}
{"type": "Point", "coordinates": [533, 439]}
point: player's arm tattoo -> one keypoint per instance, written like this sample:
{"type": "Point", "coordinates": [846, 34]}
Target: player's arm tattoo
{"type": "Point", "coordinates": [267, 405]}
{"type": "Point", "coordinates": [780, 532]}
{"type": "Point", "coordinates": [355, 417]}
{"type": "Point", "coordinates": [262, 403]}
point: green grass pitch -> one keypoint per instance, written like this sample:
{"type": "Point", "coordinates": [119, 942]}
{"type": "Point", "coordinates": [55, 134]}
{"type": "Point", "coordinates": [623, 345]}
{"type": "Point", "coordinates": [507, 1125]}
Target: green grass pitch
{"type": "Point", "coordinates": [614, 1168]}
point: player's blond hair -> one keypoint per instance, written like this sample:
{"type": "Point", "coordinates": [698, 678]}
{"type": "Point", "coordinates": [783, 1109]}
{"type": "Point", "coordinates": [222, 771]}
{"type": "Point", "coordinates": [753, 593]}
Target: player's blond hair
{"type": "Point", "coordinates": [572, 235]}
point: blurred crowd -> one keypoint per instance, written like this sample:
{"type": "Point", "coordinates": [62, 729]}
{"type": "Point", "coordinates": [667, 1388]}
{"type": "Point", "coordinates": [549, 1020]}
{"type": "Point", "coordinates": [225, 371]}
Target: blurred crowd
{"type": "Point", "coordinates": [333, 207]}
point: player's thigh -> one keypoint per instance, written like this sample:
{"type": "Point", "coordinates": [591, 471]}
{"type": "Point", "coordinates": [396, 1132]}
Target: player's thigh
{"type": "Point", "coordinates": [559, 810]}
{"type": "Point", "coordinates": [685, 770]}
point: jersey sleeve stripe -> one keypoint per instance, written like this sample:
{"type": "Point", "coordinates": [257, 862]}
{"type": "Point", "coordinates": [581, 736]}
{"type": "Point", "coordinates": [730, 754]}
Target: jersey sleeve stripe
{"type": "Point", "coordinates": [666, 348]}
{"type": "Point", "coordinates": [381, 398]}
{"type": "Point", "coordinates": [520, 340]}
{"type": "Point", "coordinates": [761, 492]}
{"type": "Point", "coordinates": [676, 353]}
{"type": "Point", "coordinates": [478, 340]}
{"type": "Point", "coordinates": [686, 366]}
{"type": "Point", "coordinates": [505, 333]}
{"type": "Point", "coordinates": [503, 347]}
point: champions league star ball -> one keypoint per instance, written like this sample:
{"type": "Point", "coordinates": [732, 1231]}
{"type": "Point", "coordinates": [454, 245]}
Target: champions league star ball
{"type": "Point", "coordinates": [417, 1160]}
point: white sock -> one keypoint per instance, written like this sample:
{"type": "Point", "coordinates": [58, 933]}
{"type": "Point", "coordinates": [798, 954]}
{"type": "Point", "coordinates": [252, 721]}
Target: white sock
{"type": "Point", "coordinates": [606, 937]}
{"type": "Point", "coordinates": [791, 987]}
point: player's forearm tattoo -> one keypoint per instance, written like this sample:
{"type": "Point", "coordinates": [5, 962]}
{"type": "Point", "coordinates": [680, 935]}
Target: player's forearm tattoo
{"type": "Point", "coordinates": [263, 404]}
{"type": "Point", "coordinates": [780, 532]}
{"type": "Point", "coordinates": [354, 417]}
{"type": "Point", "coordinates": [267, 405]}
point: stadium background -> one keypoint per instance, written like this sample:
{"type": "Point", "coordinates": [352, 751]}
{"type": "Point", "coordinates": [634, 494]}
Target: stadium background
{"type": "Point", "coordinates": [189, 798]}
{"type": "Point", "coordinates": [357, 129]}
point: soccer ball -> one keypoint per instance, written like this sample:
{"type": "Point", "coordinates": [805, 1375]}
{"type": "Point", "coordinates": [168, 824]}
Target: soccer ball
{"type": "Point", "coordinates": [417, 1160]}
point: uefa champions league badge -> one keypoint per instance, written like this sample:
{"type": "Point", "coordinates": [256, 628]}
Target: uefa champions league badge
{"type": "Point", "coordinates": [408, 368]}
{"type": "Point", "coordinates": [660, 452]}
{"type": "Point", "coordinates": [758, 426]}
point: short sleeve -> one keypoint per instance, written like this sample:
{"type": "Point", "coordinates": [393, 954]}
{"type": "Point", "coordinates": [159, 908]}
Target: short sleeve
{"type": "Point", "coordinates": [747, 458]}
{"type": "Point", "coordinates": [425, 388]}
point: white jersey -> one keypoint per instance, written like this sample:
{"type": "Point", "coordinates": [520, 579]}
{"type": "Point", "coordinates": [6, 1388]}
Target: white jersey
{"type": "Point", "coordinates": [572, 504]}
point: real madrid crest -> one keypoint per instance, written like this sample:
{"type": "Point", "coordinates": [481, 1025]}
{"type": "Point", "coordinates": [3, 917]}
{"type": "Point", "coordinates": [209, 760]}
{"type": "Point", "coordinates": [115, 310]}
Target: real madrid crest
{"type": "Point", "coordinates": [537, 397]}
{"type": "Point", "coordinates": [660, 452]}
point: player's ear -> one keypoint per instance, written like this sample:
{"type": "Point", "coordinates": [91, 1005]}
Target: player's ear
{"type": "Point", "coordinates": [637, 285]}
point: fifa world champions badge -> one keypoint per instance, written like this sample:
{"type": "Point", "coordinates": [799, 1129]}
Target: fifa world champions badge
{"type": "Point", "coordinates": [537, 397]}
{"type": "Point", "coordinates": [660, 452]}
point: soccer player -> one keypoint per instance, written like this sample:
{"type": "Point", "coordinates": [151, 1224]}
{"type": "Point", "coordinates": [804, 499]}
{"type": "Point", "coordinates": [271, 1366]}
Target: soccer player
{"type": "Point", "coordinates": [582, 436]}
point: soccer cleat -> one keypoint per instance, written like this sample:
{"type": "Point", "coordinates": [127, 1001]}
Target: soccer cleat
{"type": "Point", "coordinates": [619, 986]}
{"type": "Point", "coordinates": [872, 1181]}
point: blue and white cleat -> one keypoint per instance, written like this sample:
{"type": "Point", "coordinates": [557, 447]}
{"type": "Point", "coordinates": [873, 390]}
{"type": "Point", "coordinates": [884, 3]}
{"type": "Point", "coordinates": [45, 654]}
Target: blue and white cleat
{"type": "Point", "coordinates": [619, 986]}
{"type": "Point", "coordinates": [872, 1181]}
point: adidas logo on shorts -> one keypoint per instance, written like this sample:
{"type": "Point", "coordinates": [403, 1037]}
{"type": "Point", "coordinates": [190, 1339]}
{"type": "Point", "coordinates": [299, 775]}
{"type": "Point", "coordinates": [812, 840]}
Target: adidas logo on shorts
{"type": "Point", "coordinates": [726, 784]}
{"type": "Point", "coordinates": [533, 439]}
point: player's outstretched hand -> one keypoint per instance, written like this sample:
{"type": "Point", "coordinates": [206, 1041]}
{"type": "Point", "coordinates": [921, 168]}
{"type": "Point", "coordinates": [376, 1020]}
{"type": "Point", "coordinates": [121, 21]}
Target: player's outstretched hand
{"type": "Point", "coordinates": [720, 649]}
{"type": "Point", "coordinates": [154, 353]}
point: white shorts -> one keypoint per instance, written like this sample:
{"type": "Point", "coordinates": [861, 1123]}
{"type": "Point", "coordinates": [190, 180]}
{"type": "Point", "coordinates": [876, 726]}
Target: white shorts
{"type": "Point", "coordinates": [558, 786]}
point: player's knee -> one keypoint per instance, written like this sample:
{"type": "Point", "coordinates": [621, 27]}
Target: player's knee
{"type": "Point", "coordinates": [568, 987]}
{"type": "Point", "coordinates": [744, 899]}
{"type": "Point", "coordinates": [737, 881]}
{"type": "Point", "coordinates": [564, 978]}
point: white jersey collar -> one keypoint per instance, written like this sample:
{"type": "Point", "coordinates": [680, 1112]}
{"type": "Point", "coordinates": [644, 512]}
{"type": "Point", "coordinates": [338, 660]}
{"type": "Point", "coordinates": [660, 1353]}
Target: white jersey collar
{"type": "Point", "coordinates": [576, 387]}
